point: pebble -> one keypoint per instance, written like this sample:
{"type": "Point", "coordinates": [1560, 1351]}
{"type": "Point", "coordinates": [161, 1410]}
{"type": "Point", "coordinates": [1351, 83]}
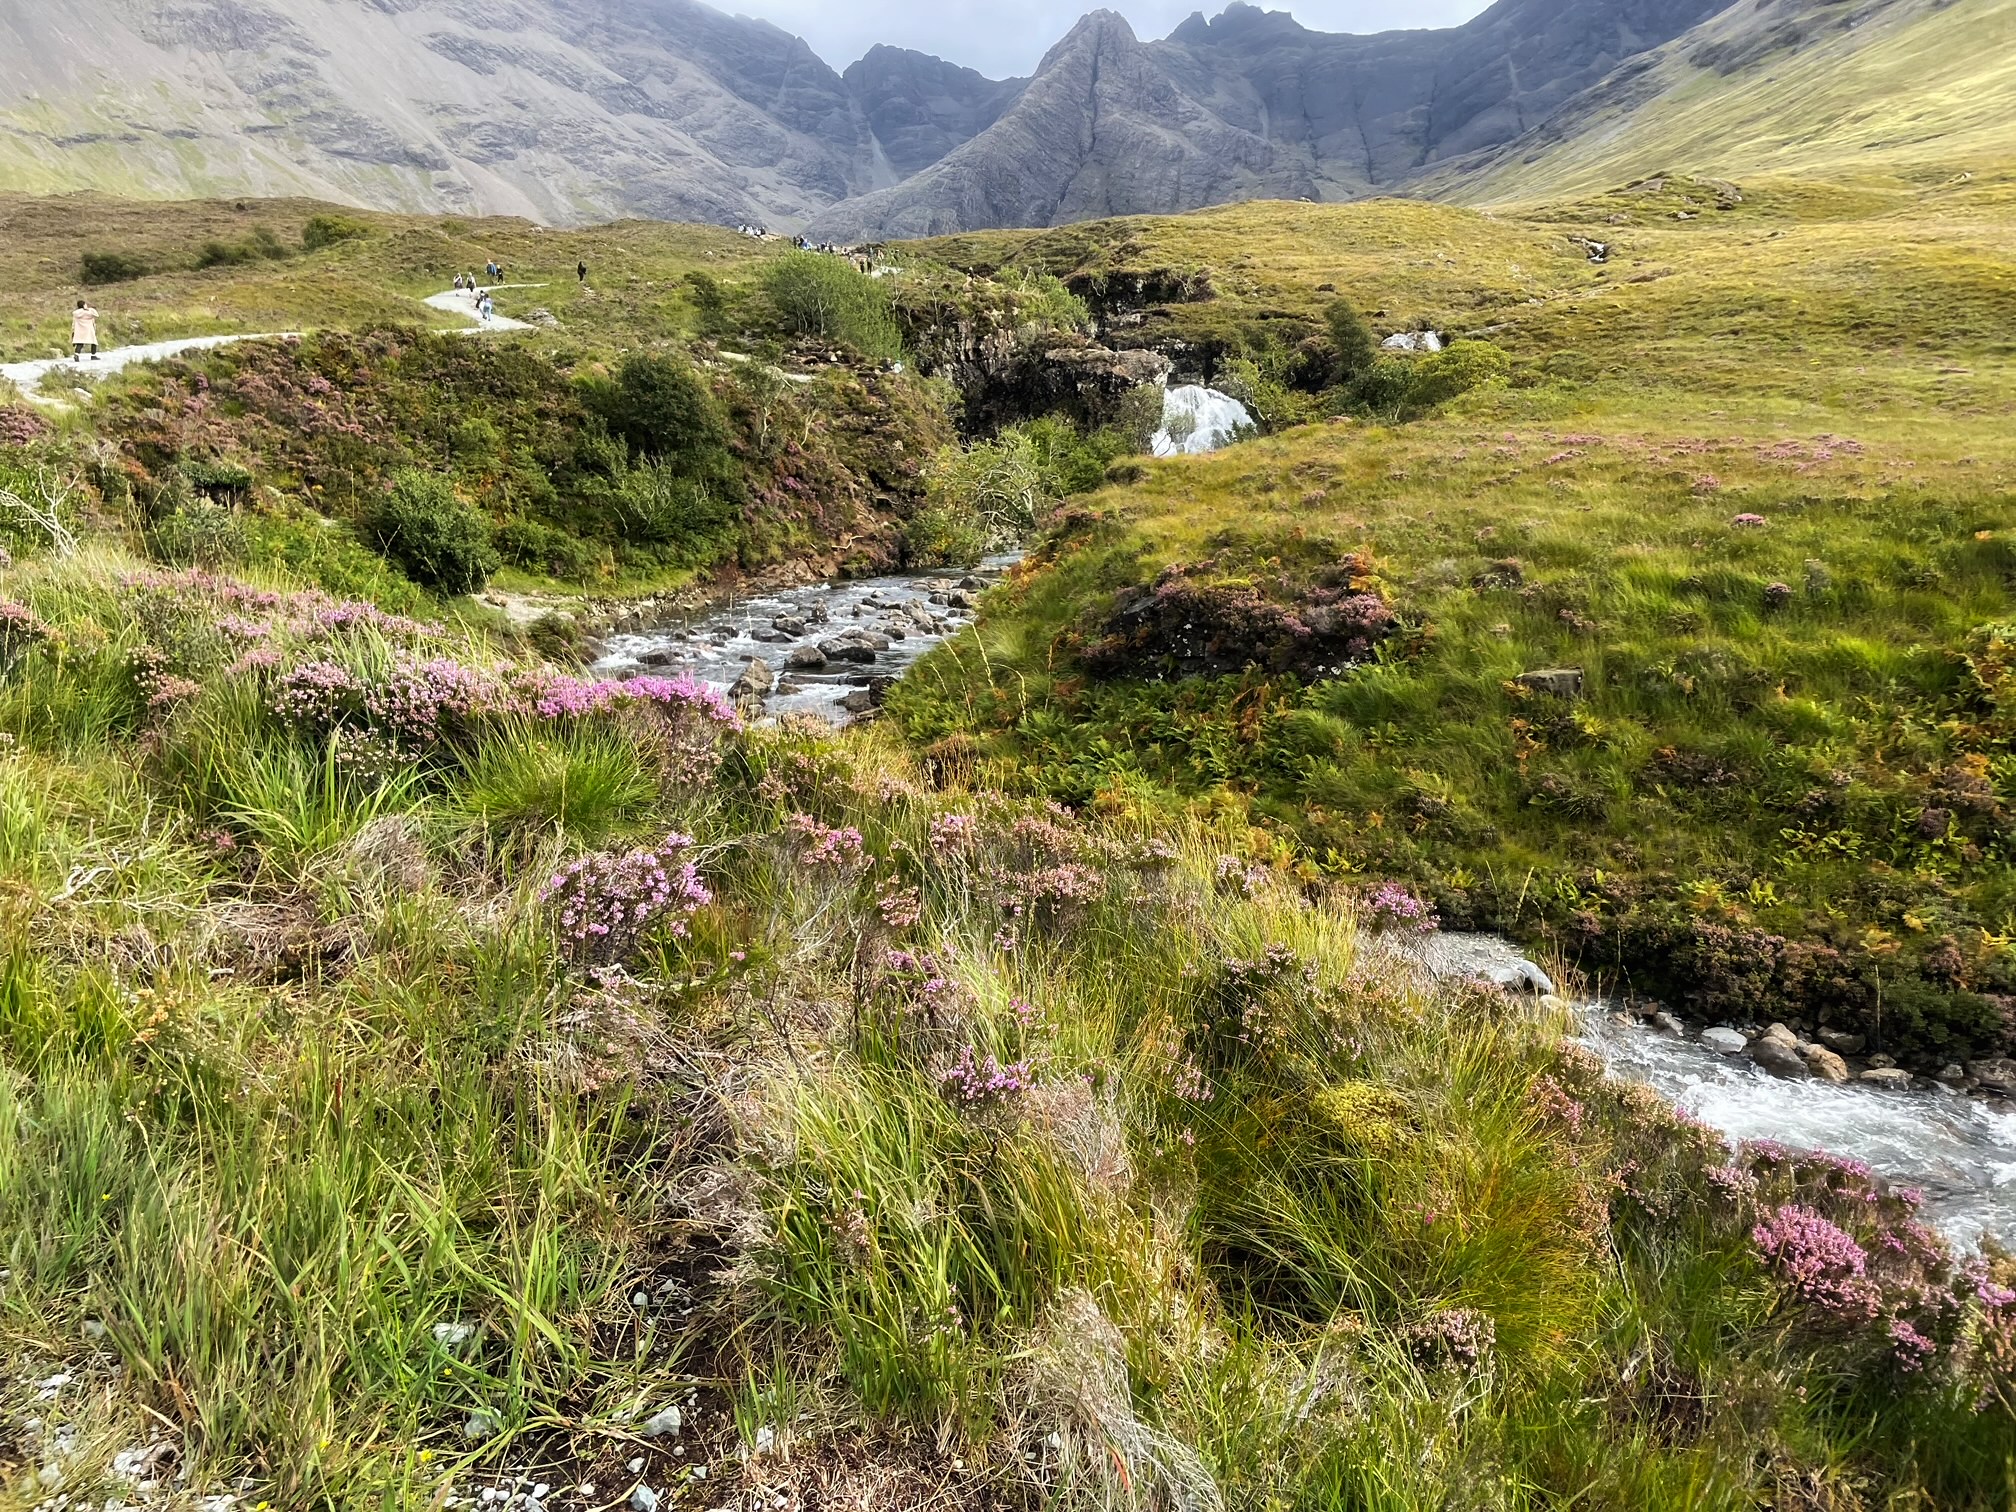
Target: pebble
{"type": "Point", "coordinates": [644, 1499]}
{"type": "Point", "coordinates": [663, 1423]}
{"type": "Point", "coordinates": [636, 1464]}
{"type": "Point", "coordinates": [453, 1335]}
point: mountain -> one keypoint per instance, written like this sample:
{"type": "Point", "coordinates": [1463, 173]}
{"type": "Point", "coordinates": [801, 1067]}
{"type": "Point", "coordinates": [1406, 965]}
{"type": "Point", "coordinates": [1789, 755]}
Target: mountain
{"type": "Point", "coordinates": [563, 110]}
{"type": "Point", "coordinates": [571, 111]}
{"type": "Point", "coordinates": [1255, 104]}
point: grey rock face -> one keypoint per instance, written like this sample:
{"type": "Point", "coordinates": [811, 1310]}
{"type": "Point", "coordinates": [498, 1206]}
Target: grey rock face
{"type": "Point", "coordinates": [1555, 682]}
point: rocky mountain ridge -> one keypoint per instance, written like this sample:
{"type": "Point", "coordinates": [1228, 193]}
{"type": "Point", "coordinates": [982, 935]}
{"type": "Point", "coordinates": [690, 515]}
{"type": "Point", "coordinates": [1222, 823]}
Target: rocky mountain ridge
{"type": "Point", "coordinates": [573, 111]}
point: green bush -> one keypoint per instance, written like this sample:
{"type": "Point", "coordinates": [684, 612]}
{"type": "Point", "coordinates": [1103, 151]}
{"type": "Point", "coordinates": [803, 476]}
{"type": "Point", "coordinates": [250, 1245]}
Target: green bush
{"type": "Point", "coordinates": [539, 547]}
{"type": "Point", "coordinates": [330, 230]}
{"type": "Point", "coordinates": [1351, 339]}
{"type": "Point", "coordinates": [1457, 369]}
{"type": "Point", "coordinates": [114, 267]}
{"type": "Point", "coordinates": [660, 408]}
{"type": "Point", "coordinates": [823, 297]}
{"type": "Point", "coordinates": [204, 534]}
{"type": "Point", "coordinates": [261, 246]}
{"type": "Point", "coordinates": [441, 542]}
{"type": "Point", "coordinates": [659, 505]}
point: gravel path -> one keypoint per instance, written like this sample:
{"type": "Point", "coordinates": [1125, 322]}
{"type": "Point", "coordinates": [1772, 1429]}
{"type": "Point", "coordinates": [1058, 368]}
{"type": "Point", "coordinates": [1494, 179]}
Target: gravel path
{"type": "Point", "coordinates": [28, 375]}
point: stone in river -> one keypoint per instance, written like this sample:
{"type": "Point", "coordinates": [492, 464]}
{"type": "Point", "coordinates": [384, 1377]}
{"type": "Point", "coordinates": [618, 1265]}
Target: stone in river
{"type": "Point", "coordinates": [1841, 1042]}
{"type": "Point", "coordinates": [855, 646]}
{"type": "Point", "coordinates": [1997, 1075]}
{"type": "Point", "coordinates": [806, 658]}
{"type": "Point", "coordinates": [786, 624]}
{"type": "Point", "coordinates": [860, 701]}
{"type": "Point", "coordinates": [1895, 1078]}
{"type": "Point", "coordinates": [1779, 1059]}
{"type": "Point", "coordinates": [756, 680]}
{"type": "Point", "coordinates": [1724, 1041]}
{"type": "Point", "coordinates": [1825, 1064]}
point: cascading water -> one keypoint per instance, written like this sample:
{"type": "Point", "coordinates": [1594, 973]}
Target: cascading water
{"type": "Point", "coordinates": [1196, 420]}
{"type": "Point", "coordinates": [1960, 1151]}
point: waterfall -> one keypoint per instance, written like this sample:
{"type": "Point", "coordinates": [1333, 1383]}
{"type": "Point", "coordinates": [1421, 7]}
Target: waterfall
{"type": "Point", "coordinates": [1203, 418]}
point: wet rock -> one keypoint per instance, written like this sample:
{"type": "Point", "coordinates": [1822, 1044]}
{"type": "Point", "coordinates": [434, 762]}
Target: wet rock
{"type": "Point", "coordinates": [806, 658]}
{"type": "Point", "coordinates": [786, 624]}
{"type": "Point", "coordinates": [1881, 1062]}
{"type": "Point", "coordinates": [861, 701]}
{"type": "Point", "coordinates": [1780, 1059]}
{"type": "Point", "coordinates": [660, 656]}
{"type": "Point", "coordinates": [757, 680]}
{"type": "Point", "coordinates": [1997, 1075]}
{"type": "Point", "coordinates": [1521, 976]}
{"type": "Point", "coordinates": [1778, 1034]}
{"type": "Point", "coordinates": [1554, 682]}
{"type": "Point", "coordinates": [1892, 1077]}
{"type": "Point", "coordinates": [855, 646]}
{"type": "Point", "coordinates": [770, 637]}
{"type": "Point", "coordinates": [1724, 1041]}
{"type": "Point", "coordinates": [1841, 1042]}
{"type": "Point", "coordinates": [1665, 1023]}
{"type": "Point", "coordinates": [1825, 1064]}
{"type": "Point", "coordinates": [959, 598]}
{"type": "Point", "coordinates": [972, 584]}
{"type": "Point", "coordinates": [1951, 1076]}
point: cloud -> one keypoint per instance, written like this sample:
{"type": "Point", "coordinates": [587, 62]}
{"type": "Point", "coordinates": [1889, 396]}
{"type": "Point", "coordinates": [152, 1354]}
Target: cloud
{"type": "Point", "coordinates": [1003, 38]}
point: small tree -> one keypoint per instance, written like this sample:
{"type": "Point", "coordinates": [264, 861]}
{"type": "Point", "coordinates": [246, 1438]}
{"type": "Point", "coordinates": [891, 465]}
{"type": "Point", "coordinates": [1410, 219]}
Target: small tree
{"type": "Point", "coordinates": [1355, 345]}
{"type": "Point", "coordinates": [441, 542]}
{"type": "Point", "coordinates": [824, 297]}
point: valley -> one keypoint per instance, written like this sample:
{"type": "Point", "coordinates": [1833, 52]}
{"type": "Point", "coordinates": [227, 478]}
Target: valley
{"type": "Point", "coordinates": [1293, 855]}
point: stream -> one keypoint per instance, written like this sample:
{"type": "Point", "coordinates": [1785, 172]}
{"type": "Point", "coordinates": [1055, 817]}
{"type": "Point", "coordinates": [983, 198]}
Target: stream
{"type": "Point", "coordinates": [886, 623]}
{"type": "Point", "coordinates": [1959, 1150]}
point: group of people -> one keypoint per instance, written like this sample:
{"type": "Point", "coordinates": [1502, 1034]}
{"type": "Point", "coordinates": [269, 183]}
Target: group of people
{"type": "Point", "coordinates": [479, 296]}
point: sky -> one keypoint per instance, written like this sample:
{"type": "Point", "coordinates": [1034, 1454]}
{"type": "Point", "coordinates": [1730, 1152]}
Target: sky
{"type": "Point", "coordinates": [1006, 38]}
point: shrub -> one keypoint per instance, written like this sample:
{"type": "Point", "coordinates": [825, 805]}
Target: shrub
{"type": "Point", "coordinates": [114, 267]}
{"type": "Point", "coordinates": [202, 534]}
{"type": "Point", "coordinates": [659, 407]}
{"type": "Point", "coordinates": [330, 230]}
{"type": "Point", "coordinates": [1457, 369]}
{"type": "Point", "coordinates": [823, 297]}
{"type": "Point", "coordinates": [538, 547]}
{"type": "Point", "coordinates": [1352, 343]}
{"type": "Point", "coordinates": [261, 246]}
{"type": "Point", "coordinates": [441, 542]}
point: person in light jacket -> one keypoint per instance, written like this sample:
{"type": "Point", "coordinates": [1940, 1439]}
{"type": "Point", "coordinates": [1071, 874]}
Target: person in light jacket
{"type": "Point", "coordinates": [84, 330]}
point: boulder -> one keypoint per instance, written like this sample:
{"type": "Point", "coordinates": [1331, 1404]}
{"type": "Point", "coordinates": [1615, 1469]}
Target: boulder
{"type": "Point", "coordinates": [1825, 1064]}
{"type": "Point", "coordinates": [1521, 976]}
{"type": "Point", "coordinates": [1554, 682]}
{"type": "Point", "coordinates": [1778, 1034]}
{"type": "Point", "coordinates": [806, 658]}
{"type": "Point", "coordinates": [789, 624]}
{"type": "Point", "coordinates": [1724, 1041]}
{"type": "Point", "coordinates": [660, 656]}
{"type": "Point", "coordinates": [1894, 1078]}
{"type": "Point", "coordinates": [1951, 1076]}
{"type": "Point", "coordinates": [959, 598]}
{"type": "Point", "coordinates": [1665, 1023]}
{"type": "Point", "coordinates": [1841, 1042]}
{"type": "Point", "coordinates": [1997, 1075]}
{"type": "Point", "coordinates": [861, 701]}
{"type": "Point", "coordinates": [757, 680]}
{"type": "Point", "coordinates": [1779, 1059]}
{"type": "Point", "coordinates": [855, 646]}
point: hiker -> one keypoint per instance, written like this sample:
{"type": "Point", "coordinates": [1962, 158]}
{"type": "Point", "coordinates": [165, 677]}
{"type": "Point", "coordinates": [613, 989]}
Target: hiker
{"type": "Point", "coordinates": [581, 271]}
{"type": "Point", "coordinates": [84, 330]}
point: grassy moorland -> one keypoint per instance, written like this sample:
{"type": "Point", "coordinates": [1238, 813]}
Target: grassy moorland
{"type": "Point", "coordinates": [422, 1072]}
{"type": "Point", "coordinates": [426, 1071]}
{"type": "Point", "coordinates": [1754, 478]}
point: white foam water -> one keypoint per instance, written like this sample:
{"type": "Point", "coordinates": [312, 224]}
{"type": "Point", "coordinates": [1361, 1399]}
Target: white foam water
{"type": "Point", "coordinates": [1960, 1151]}
{"type": "Point", "coordinates": [1204, 418]}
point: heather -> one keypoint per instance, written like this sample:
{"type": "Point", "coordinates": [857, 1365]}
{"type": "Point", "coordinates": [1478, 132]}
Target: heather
{"type": "Point", "coordinates": [423, 1063]}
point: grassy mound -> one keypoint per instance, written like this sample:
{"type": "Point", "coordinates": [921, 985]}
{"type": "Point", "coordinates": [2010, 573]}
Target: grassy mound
{"type": "Point", "coordinates": [419, 1071]}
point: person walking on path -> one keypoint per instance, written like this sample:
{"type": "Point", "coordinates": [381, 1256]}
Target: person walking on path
{"type": "Point", "coordinates": [84, 330]}
{"type": "Point", "coordinates": [581, 271]}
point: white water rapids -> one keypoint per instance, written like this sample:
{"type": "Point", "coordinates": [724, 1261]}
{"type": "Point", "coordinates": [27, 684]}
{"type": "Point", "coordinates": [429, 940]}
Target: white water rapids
{"type": "Point", "coordinates": [1196, 420]}
{"type": "Point", "coordinates": [1960, 1151]}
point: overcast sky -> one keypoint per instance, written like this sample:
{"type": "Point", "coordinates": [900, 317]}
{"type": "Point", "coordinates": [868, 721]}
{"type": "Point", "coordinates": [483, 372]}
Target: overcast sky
{"type": "Point", "coordinates": [1003, 38]}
